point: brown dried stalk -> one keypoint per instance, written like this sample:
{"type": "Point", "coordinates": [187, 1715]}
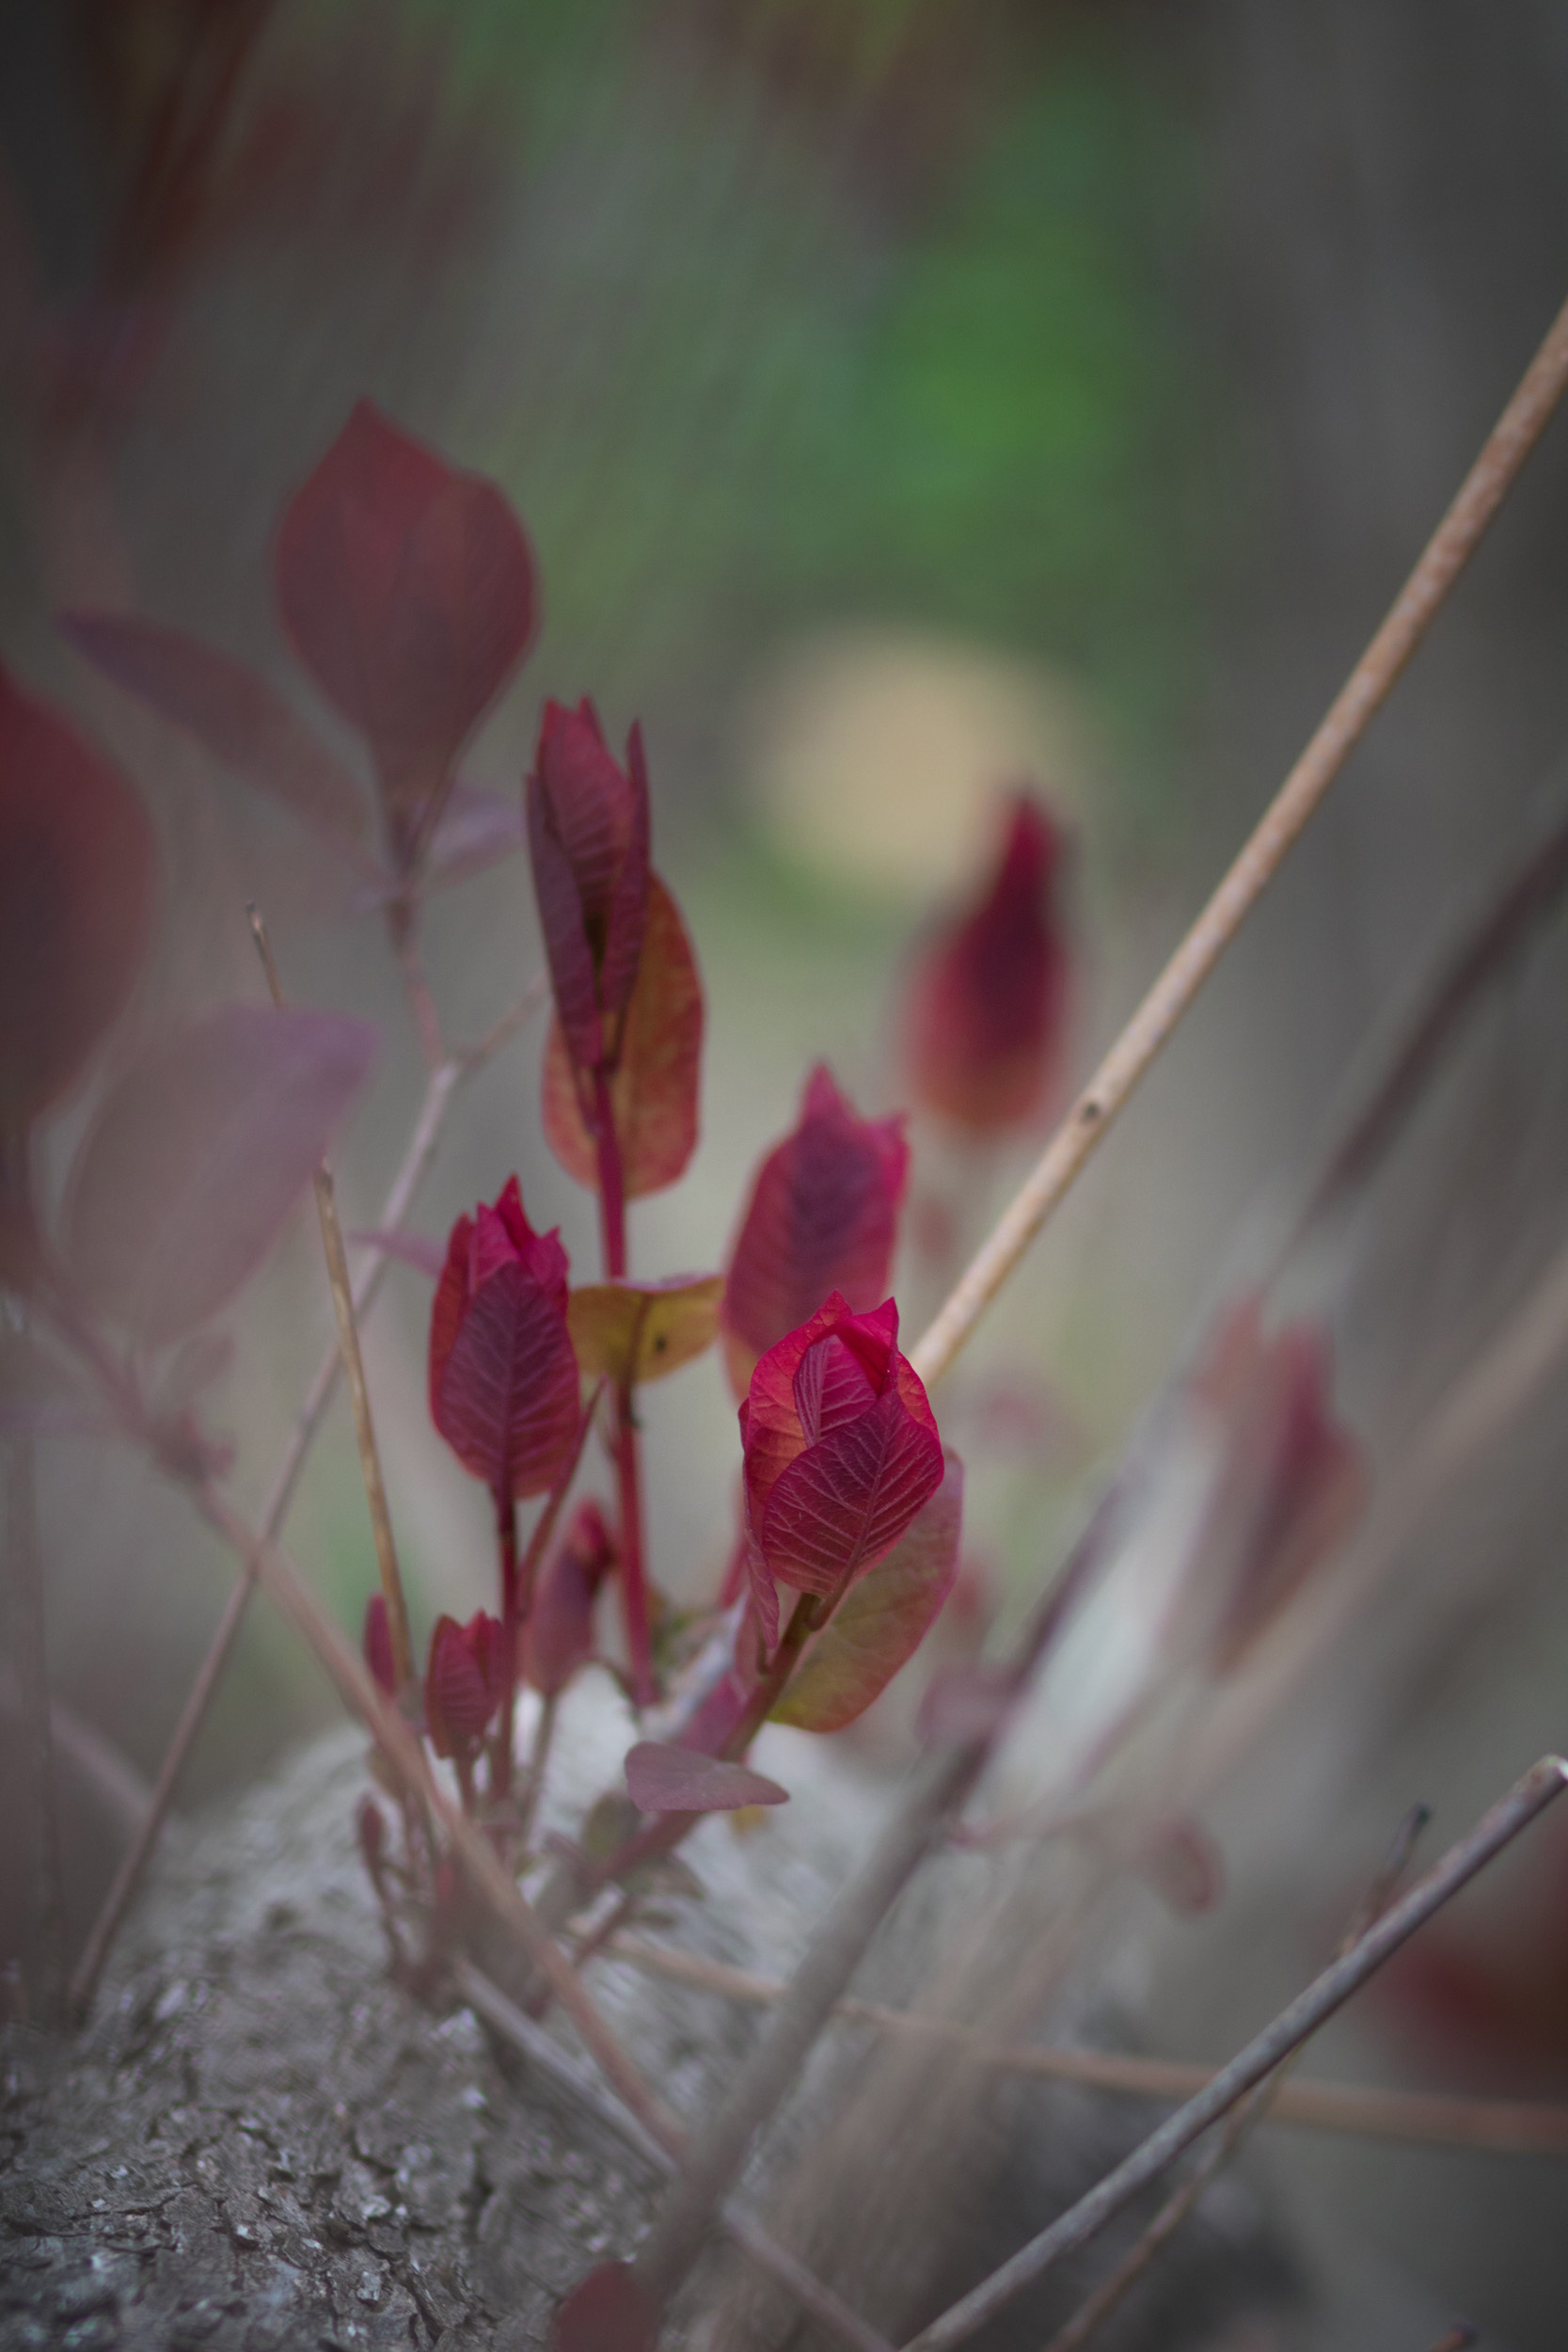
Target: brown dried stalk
{"type": "Point", "coordinates": [1113, 2291]}
{"type": "Point", "coordinates": [1498, 2126]}
{"type": "Point", "coordinates": [1311, 2008]}
{"type": "Point", "coordinates": [1365, 690]}
{"type": "Point", "coordinates": [439, 1097]}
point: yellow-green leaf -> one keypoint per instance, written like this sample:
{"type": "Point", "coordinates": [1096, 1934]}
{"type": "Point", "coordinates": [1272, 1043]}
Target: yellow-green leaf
{"type": "Point", "coordinates": [635, 1331]}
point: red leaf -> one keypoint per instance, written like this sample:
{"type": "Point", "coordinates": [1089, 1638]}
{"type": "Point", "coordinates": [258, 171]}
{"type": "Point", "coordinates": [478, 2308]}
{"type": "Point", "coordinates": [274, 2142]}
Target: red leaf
{"type": "Point", "coordinates": [503, 1377]}
{"type": "Point", "coordinates": [772, 1432]}
{"type": "Point", "coordinates": [883, 1620]}
{"type": "Point", "coordinates": [588, 831]}
{"type": "Point", "coordinates": [653, 1091]}
{"type": "Point", "coordinates": [558, 1635]}
{"type": "Point", "coordinates": [846, 1500]}
{"type": "Point", "coordinates": [78, 874]}
{"type": "Point", "coordinates": [234, 714]}
{"type": "Point", "coordinates": [409, 591]}
{"type": "Point", "coordinates": [607, 2312]}
{"type": "Point", "coordinates": [464, 1681]}
{"type": "Point", "coordinates": [823, 1217]}
{"type": "Point", "coordinates": [665, 1779]}
{"type": "Point", "coordinates": [197, 1153]}
{"type": "Point", "coordinates": [987, 1002]}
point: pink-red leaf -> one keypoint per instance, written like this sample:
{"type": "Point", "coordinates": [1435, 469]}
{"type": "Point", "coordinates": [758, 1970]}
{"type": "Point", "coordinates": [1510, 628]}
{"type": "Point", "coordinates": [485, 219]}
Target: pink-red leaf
{"type": "Point", "coordinates": [233, 714]}
{"type": "Point", "coordinates": [558, 1635]}
{"type": "Point", "coordinates": [883, 1620]}
{"type": "Point", "coordinates": [823, 1217]}
{"type": "Point", "coordinates": [503, 1377]}
{"type": "Point", "coordinates": [654, 1091]}
{"type": "Point", "coordinates": [409, 591]}
{"type": "Point", "coordinates": [846, 1500]}
{"type": "Point", "coordinates": [665, 1779]}
{"type": "Point", "coordinates": [607, 2312]}
{"type": "Point", "coordinates": [636, 1331]}
{"type": "Point", "coordinates": [78, 874]}
{"type": "Point", "coordinates": [197, 1155]}
{"type": "Point", "coordinates": [464, 1681]}
{"type": "Point", "coordinates": [588, 833]}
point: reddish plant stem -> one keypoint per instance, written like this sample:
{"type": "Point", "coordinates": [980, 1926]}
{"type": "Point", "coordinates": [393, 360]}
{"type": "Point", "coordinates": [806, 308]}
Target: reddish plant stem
{"type": "Point", "coordinates": [517, 1584]}
{"type": "Point", "coordinates": [613, 1191]}
{"type": "Point", "coordinates": [634, 1581]}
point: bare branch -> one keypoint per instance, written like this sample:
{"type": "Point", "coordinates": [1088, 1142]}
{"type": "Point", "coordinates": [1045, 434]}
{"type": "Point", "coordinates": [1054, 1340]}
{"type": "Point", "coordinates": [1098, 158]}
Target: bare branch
{"type": "Point", "coordinates": [1365, 690]}
{"type": "Point", "coordinates": [1528, 1796]}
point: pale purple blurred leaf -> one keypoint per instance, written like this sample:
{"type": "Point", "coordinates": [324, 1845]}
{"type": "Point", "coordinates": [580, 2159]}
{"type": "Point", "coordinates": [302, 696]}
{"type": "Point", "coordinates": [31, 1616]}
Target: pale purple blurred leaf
{"type": "Point", "coordinates": [476, 828]}
{"type": "Point", "coordinates": [43, 1396]}
{"type": "Point", "coordinates": [664, 1779]}
{"type": "Point", "coordinates": [197, 1153]}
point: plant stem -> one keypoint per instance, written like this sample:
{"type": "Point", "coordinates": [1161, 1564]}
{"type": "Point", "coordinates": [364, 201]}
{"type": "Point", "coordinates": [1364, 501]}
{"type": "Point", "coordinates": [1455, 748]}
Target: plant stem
{"type": "Point", "coordinates": [538, 1762]}
{"type": "Point", "coordinates": [518, 1586]}
{"type": "Point", "coordinates": [612, 1196]}
{"type": "Point", "coordinates": [1329, 1992]}
{"type": "Point", "coordinates": [1362, 695]}
{"type": "Point", "coordinates": [32, 1663]}
{"type": "Point", "coordinates": [500, 1753]}
{"type": "Point", "coordinates": [634, 1580]}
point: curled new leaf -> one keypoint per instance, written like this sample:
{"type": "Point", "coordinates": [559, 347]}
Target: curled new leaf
{"type": "Point", "coordinates": [987, 1004]}
{"type": "Point", "coordinates": [841, 1451]}
{"type": "Point", "coordinates": [408, 589]}
{"type": "Point", "coordinates": [588, 831]}
{"type": "Point", "coordinates": [883, 1619]}
{"type": "Point", "coordinates": [503, 1377]}
{"type": "Point", "coordinates": [653, 1091]}
{"type": "Point", "coordinates": [558, 1635]}
{"type": "Point", "coordinates": [464, 1681]}
{"type": "Point", "coordinates": [823, 1215]}
{"type": "Point", "coordinates": [233, 714]}
{"type": "Point", "coordinates": [631, 1332]}
{"type": "Point", "coordinates": [77, 880]}
{"type": "Point", "coordinates": [197, 1155]}
{"type": "Point", "coordinates": [665, 1779]}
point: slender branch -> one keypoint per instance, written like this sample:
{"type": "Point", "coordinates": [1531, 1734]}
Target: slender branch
{"type": "Point", "coordinates": [439, 1097]}
{"type": "Point", "coordinates": [1311, 2008]}
{"type": "Point", "coordinates": [47, 1906]}
{"type": "Point", "coordinates": [354, 1370]}
{"type": "Point", "coordinates": [941, 1788]}
{"type": "Point", "coordinates": [1181, 2203]}
{"type": "Point", "coordinates": [1423, 2119]}
{"type": "Point", "coordinates": [1362, 695]}
{"type": "Point", "coordinates": [504, 2017]}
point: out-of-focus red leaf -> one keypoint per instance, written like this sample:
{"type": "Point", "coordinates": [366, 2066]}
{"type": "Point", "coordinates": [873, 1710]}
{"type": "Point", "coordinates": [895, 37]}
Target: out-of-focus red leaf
{"type": "Point", "coordinates": [588, 833]}
{"type": "Point", "coordinates": [1184, 1865]}
{"type": "Point", "coordinates": [883, 1619]}
{"type": "Point", "coordinates": [632, 1331]}
{"type": "Point", "coordinates": [376, 1643]}
{"type": "Point", "coordinates": [665, 1779]}
{"type": "Point", "coordinates": [78, 877]}
{"type": "Point", "coordinates": [421, 1251]}
{"type": "Point", "coordinates": [197, 1153]}
{"type": "Point", "coordinates": [233, 714]}
{"type": "Point", "coordinates": [464, 1681]}
{"type": "Point", "coordinates": [409, 591]}
{"type": "Point", "coordinates": [654, 1091]}
{"type": "Point", "coordinates": [503, 1377]}
{"type": "Point", "coordinates": [823, 1215]}
{"type": "Point", "coordinates": [476, 828]}
{"type": "Point", "coordinates": [558, 1635]}
{"type": "Point", "coordinates": [987, 1002]}
{"type": "Point", "coordinates": [43, 1394]}
{"type": "Point", "coordinates": [607, 2312]}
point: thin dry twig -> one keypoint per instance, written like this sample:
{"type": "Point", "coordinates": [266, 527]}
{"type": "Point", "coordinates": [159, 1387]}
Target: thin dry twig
{"type": "Point", "coordinates": [1181, 2203]}
{"type": "Point", "coordinates": [1424, 2119]}
{"type": "Point", "coordinates": [526, 2034]}
{"type": "Point", "coordinates": [438, 1096]}
{"type": "Point", "coordinates": [1365, 690]}
{"type": "Point", "coordinates": [1302, 2018]}
{"type": "Point", "coordinates": [353, 1371]}
{"type": "Point", "coordinates": [46, 1872]}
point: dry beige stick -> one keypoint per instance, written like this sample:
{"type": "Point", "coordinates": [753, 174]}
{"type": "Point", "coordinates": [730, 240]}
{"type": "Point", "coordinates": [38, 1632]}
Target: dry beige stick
{"type": "Point", "coordinates": [354, 1371]}
{"type": "Point", "coordinates": [480, 1864]}
{"type": "Point", "coordinates": [1501, 2126]}
{"type": "Point", "coordinates": [1364, 692]}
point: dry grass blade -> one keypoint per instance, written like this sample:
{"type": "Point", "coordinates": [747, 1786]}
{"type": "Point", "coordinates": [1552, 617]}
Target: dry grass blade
{"type": "Point", "coordinates": [1421, 2118]}
{"type": "Point", "coordinates": [1367, 686]}
{"type": "Point", "coordinates": [1329, 1992]}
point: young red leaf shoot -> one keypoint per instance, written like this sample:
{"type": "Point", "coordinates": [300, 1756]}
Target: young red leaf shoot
{"type": "Point", "coordinates": [588, 831]}
{"type": "Point", "coordinates": [823, 1215]}
{"type": "Point", "coordinates": [197, 1154]}
{"type": "Point", "coordinates": [466, 1681]}
{"type": "Point", "coordinates": [503, 1377]}
{"type": "Point", "coordinates": [78, 877]}
{"type": "Point", "coordinates": [558, 1635]}
{"type": "Point", "coordinates": [987, 1001]}
{"type": "Point", "coordinates": [408, 589]}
